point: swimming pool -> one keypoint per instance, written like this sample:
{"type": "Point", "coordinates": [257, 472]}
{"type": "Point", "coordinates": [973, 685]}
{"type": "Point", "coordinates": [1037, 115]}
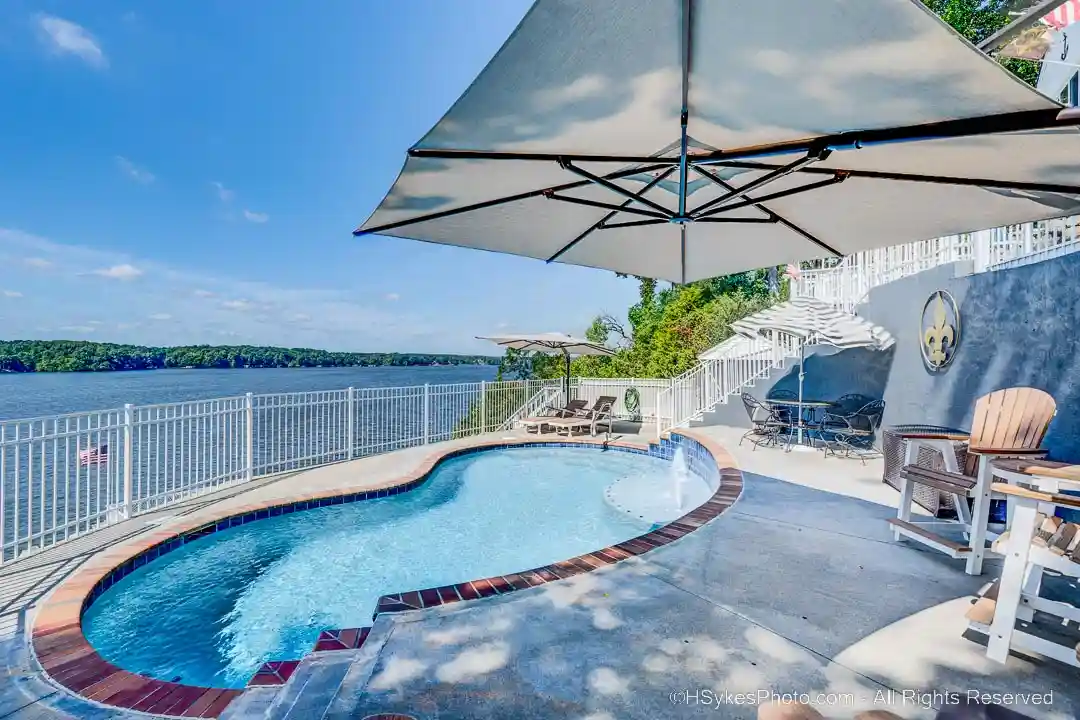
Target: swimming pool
{"type": "Point", "coordinates": [212, 611]}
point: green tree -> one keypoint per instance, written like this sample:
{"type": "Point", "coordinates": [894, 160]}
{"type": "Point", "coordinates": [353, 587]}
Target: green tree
{"type": "Point", "coordinates": [977, 20]}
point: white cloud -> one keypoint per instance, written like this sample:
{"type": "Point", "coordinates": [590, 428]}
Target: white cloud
{"type": "Point", "coordinates": [65, 37]}
{"type": "Point", "coordinates": [133, 171]}
{"type": "Point", "coordinates": [94, 322]}
{"type": "Point", "coordinates": [392, 297]}
{"type": "Point", "coordinates": [224, 194]}
{"type": "Point", "coordinates": [85, 329]}
{"type": "Point", "coordinates": [38, 262]}
{"type": "Point", "coordinates": [12, 294]}
{"type": "Point", "coordinates": [161, 316]}
{"type": "Point", "coordinates": [119, 272]}
{"type": "Point", "coordinates": [205, 307]}
{"type": "Point", "coordinates": [256, 217]}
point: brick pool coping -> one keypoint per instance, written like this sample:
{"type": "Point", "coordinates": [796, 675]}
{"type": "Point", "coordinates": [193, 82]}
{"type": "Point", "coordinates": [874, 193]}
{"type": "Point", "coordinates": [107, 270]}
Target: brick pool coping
{"type": "Point", "coordinates": [69, 660]}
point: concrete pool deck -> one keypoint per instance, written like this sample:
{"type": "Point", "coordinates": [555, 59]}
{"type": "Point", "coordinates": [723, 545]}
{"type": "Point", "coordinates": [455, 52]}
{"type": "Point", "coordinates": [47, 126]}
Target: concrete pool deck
{"type": "Point", "coordinates": [741, 604]}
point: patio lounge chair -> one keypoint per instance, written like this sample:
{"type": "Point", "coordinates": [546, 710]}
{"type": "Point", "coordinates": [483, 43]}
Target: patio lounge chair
{"type": "Point", "coordinates": [596, 416]}
{"type": "Point", "coordinates": [571, 409]}
{"type": "Point", "coordinates": [1008, 423]}
{"type": "Point", "coordinates": [766, 424]}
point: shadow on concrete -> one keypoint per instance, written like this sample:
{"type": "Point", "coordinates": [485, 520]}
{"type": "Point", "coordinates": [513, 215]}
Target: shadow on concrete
{"type": "Point", "coordinates": [793, 591]}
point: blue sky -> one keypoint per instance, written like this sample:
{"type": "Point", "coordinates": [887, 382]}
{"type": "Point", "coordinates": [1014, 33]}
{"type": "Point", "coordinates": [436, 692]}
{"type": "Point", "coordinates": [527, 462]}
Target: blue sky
{"type": "Point", "coordinates": [190, 172]}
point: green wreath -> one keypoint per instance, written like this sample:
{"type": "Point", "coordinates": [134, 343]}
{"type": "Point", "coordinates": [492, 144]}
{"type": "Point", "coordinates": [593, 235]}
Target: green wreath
{"type": "Point", "coordinates": [632, 402]}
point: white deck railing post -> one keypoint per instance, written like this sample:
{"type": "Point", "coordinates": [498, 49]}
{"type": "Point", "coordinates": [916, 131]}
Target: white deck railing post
{"type": "Point", "coordinates": [249, 436]}
{"type": "Point", "coordinates": [427, 411]}
{"type": "Point", "coordinates": [483, 406]}
{"type": "Point", "coordinates": [350, 422]}
{"type": "Point", "coordinates": [129, 428]}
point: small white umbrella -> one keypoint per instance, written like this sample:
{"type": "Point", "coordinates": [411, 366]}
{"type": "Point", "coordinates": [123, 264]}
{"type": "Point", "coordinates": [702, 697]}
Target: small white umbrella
{"type": "Point", "coordinates": [814, 321]}
{"type": "Point", "coordinates": [551, 344]}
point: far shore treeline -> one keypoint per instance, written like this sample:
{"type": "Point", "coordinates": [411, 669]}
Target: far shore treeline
{"type": "Point", "coordinates": [20, 356]}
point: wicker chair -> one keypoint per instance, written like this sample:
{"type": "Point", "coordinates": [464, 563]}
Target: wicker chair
{"type": "Point", "coordinates": [894, 448]}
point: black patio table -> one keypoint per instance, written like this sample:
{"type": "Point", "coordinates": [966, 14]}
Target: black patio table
{"type": "Point", "coordinates": [805, 415]}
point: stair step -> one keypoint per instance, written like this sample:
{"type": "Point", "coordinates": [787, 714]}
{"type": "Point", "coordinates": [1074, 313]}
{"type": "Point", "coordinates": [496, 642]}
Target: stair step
{"type": "Point", "coordinates": [921, 534]}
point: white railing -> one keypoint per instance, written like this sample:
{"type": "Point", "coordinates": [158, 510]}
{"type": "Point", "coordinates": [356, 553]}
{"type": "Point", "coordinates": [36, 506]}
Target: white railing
{"type": "Point", "coordinates": [725, 370]}
{"type": "Point", "coordinates": [66, 475]}
{"type": "Point", "coordinates": [646, 394]}
{"type": "Point", "coordinates": [847, 284]}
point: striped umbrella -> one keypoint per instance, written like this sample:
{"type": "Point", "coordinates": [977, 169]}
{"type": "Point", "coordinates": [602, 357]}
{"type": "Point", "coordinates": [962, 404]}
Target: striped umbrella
{"type": "Point", "coordinates": [815, 322]}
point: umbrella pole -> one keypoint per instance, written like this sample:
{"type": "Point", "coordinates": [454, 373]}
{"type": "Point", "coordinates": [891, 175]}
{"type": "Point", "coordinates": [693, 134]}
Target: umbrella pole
{"type": "Point", "coordinates": [802, 363]}
{"type": "Point", "coordinates": [566, 356]}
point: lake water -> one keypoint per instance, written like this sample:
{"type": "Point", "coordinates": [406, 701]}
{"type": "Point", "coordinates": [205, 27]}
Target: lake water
{"type": "Point", "coordinates": [36, 394]}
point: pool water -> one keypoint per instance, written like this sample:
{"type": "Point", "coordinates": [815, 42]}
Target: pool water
{"type": "Point", "coordinates": [210, 612]}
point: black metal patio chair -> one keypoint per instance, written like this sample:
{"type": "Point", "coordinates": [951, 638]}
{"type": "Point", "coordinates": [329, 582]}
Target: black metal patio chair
{"type": "Point", "coordinates": [852, 434]}
{"type": "Point", "coordinates": [765, 426]}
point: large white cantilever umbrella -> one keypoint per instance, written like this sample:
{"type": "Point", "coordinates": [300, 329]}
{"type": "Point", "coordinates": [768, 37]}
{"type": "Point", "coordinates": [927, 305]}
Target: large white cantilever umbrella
{"type": "Point", "coordinates": [686, 139]}
{"type": "Point", "coordinates": [552, 343]}
{"type": "Point", "coordinates": [813, 321]}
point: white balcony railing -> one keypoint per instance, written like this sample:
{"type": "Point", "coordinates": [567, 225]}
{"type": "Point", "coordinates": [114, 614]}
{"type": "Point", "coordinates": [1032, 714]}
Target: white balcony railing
{"type": "Point", "coordinates": [847, 283]}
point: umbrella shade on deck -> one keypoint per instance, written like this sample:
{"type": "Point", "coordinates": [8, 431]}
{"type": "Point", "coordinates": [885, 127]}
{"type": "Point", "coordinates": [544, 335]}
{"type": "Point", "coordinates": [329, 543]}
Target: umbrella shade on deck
{"type": "Point", "coordinates": [686, 139]}
{"type": "Point", "coordinates": [814, 321]}
{"type": "Point", "coordinates": [552, 344]}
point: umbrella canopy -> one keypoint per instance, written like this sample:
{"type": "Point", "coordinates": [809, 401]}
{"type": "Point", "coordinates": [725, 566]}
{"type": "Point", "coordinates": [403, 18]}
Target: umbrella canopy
{"type": "Point", "coordinates": [686, 139]}
{"type": "Point", "coordinates": [550, 343]}
{"type": "Point", "coordinates": [816, 322]}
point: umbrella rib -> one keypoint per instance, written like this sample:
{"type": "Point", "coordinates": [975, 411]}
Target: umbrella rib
{"type": "Point", "coordinates": [776, 174]}
{"type": "Point", "coordinates": [1020, 121]}
{"type": "Point", "coordinates": [909, 177]}
{"type": "Point", "coordinates": [606, 206]}
{"type": "Point", "coordinates": [771, 219]}
{"type": "Point", "coordinates": [504, 200]}
{"type": "Point", "coordinates": [837, 178]}
{"type": "Point", "coordinates": [633, 223]}
{"type": "Point", "coordinates": [606, 182]}
{"type": "Point", "coordinates": [779, 218]}
{"type": "Point", "coordinates": [599, 224]}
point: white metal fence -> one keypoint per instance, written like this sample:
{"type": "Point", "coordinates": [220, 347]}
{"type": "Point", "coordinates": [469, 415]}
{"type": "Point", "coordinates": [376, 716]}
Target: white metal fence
{"type": "Point", "coordinates": [66, 475]}
{"type": "Point", "coordinates": [847, 283]}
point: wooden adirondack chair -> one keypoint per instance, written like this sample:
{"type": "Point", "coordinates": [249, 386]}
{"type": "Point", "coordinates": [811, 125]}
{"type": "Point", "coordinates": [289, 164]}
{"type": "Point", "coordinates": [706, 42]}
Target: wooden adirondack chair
{"type": "Point", "coordinates": [1007, 423]}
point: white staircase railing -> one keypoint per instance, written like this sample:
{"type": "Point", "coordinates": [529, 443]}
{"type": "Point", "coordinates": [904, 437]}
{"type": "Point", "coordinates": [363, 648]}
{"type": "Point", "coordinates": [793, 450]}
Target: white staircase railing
{"type": "Point", "coordinates": [723, 371]}
{"type": "Point", "coordinates": [549, 395]}
{"type": "Point", "coordinates": [847, 284]}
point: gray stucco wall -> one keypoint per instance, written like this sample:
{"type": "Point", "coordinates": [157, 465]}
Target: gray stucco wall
{"type": "Point", "coordinates": [1020, 327]}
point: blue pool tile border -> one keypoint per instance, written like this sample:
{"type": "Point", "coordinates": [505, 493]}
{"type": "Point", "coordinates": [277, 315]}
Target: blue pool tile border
{"type": "Point", "coordinates": [665, 450]}
{"type": "Point", "coordinates": [69, 660]}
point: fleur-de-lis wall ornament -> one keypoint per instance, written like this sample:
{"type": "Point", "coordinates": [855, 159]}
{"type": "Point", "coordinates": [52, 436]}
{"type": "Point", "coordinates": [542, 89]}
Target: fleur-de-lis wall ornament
{"type": "Point", "coordinates": [940, 330]}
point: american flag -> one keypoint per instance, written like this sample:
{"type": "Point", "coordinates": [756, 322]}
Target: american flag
{"type": "Point", "coordinates": [1064, 15]}
{"type": "Point", "coordinates": [94, 456]}
{"type": "Point", "coordinates": [792, 271]}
